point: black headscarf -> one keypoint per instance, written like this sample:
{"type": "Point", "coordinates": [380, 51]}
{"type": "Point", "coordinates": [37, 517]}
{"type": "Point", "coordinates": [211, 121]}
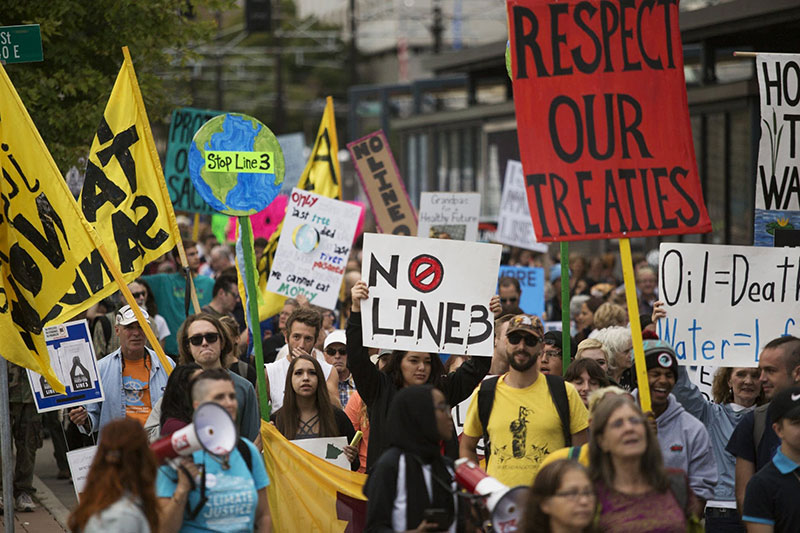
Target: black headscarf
{"type": "Point", "coordinates": [413, 429]}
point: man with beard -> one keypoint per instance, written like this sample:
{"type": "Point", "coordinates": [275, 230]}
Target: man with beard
{"type": "Point", "coordinates": [523, 415]}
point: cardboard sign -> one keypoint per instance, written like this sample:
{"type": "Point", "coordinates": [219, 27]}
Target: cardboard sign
{"type": "Point", "coordinates": [603, 121]}
{"type": "Point", "coordinates": [724, 303]}
{"type": "Point", "coordinates": [184, 124]}
{"type": "Point", "coordinates": [71, 353]}
{"type": "Point", "coordinates": [459, 415]}
{"type": "Point", "coordinates": [423, 298]}
{"type": "Point", "coordinates": [80, 461]}
{"type": "Point", "coordinates": [778, 174]}
{"type": "Point", "coordinates": [380, 178]}
{"type": "Point", "coordinates": [531, 281]}
{"type": "Point", "coordinates": [514, 224]}
{"type": "Point", "coordinates": [313, 248]}
{"type": "Point", "coordinates": [449, 215]}
{"type": "Point", "coordinates": [329, 448]}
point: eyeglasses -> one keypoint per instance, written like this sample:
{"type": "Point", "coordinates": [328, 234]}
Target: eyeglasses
{"type": "Point", "coordinates": [140, 294]}
{"type": "Point", "coordinates": [551, 353]}
{"type": "Point", "coordinates": [508, 300]}
{"type": "Point", "coordinates": [530, 340]}
{"type": "Point", "coordinates": [619, 422]}
{"type": "Point", "coordinates": [197, 340]}
{"type": "Point", "coordinates": [576, 494]}
{"type": "Point", "coordinates": [333, 351]}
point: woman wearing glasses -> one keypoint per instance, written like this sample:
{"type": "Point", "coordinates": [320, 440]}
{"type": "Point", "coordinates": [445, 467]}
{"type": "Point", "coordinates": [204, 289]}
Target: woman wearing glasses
{"type": "Point", "coordinates": [562, 500]}
{"type": "Point", "coordinates": [307, 411]}
{"type": "Point", "coordinates": [204, 340]}
{"type": "Point", "coordinates": [628, 472]}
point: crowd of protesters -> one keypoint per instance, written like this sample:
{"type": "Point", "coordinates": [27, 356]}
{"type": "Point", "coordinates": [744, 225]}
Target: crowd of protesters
{"type": "Point", "coordinates": [574, 433]}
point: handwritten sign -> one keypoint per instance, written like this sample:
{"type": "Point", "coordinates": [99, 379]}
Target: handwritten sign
{"type": "Point", "coordinates": [329, 448]}
{"type": "Point", "coordinates": [451, 215]}
{"type": "Point", "coordinates": [80, 461]}
{"type": "Point", "coordinates": [531, 281]}
{"type": "Point", "coordinates": [313, 248]}
{"type": "Point", "coordinates": [724, 303]}
{"type": "Point", "coordinates": [514, 224]}
{"type": "Point", "coordinates": [603, 120]}
{"type": "Point", "coordinates": [778, 174]}
{"type": "Point", "coordinates": [422, 298]}
{"type": "Point", "coordinates": [380, 178]}
{"type": "Point", "coordinates": [184, 124]}
{"type": "Point", "coordinates": [72, 355]}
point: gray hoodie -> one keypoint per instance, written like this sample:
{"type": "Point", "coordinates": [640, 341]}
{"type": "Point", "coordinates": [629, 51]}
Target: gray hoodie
{"type": "Point", "coordinates": [685, 445]}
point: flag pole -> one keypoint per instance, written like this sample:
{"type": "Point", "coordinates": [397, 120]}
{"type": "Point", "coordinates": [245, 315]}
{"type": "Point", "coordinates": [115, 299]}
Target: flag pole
{"type": "Point", "coordinates": [5, 448]}
{"type": "Point", "coordinates": [636, 326]}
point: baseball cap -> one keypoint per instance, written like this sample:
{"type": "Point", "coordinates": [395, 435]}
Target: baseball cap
{"type": "Point", "coordinates": [333, 337]}
{"type": "Point", "coordinates": [527, 323]}
{"type": "Point", "coordinates": [555, 338]}
{"type": "Point", "coordinates": [125, 315]}
{"type": "Point", "coordinates": [659, 354]}
{"type": "Point", "coordinates": [382, 353]}
{"type": "Point", "coordinates": [785, 404]}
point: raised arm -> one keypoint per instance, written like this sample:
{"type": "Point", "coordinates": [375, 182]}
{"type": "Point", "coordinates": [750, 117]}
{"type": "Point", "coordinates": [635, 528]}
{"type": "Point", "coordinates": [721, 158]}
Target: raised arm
{"type": "Point", "coordinates": [365, 375]}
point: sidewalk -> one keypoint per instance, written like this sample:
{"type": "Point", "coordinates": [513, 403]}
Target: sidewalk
{"type": "Point", "coordinates": [50, 515]}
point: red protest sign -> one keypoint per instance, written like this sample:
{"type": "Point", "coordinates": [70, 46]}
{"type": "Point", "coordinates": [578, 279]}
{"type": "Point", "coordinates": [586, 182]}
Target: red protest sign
{"type": "Point", "coordinates": [603, 120]}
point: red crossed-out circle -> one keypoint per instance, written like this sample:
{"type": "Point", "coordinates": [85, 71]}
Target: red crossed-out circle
{"type": "Point", "coordinates": [425, 273]}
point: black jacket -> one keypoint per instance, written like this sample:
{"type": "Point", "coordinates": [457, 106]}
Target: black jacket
{"type": "Point", "coordinates": [377, 389]}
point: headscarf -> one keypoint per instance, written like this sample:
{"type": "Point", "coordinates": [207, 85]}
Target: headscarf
{"type": "Point", "coordinates": [413, 429]}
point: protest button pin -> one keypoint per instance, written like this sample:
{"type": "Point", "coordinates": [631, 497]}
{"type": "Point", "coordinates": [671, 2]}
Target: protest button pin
{"type": "Point", "coordinates": [425, 273]}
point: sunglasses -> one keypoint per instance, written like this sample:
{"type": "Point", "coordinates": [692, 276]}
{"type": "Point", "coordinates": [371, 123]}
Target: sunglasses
{"type": "Point", "coordinates": [333, 351]}
{"type": "Point", "coordinates": [508, 300]}
{"type": "Point", "coordinates": [530, 340]}
{"type": "Point", "coordinates": [197, 340]}
{"type": "Point", "coordinates": [140, 294]}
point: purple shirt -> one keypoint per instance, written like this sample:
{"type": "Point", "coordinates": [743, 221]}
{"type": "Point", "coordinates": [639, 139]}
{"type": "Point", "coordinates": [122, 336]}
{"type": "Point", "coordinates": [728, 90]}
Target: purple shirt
{"type": "Point", "coordinates": [654, 512]}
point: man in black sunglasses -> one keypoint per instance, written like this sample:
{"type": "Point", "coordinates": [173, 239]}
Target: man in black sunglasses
{"type": "Point", "coordinates": [335, 349]}
{"type": "Point", "coordinates": [510, 292]}
{"type": "Point", "coordinates": [523, 415]}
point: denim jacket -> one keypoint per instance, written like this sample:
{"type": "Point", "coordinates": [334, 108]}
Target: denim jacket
{"type": "Point", "coordinates": [110, 370]}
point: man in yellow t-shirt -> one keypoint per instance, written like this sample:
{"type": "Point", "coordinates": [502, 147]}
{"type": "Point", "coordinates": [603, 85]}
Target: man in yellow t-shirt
{"type": "Point", "coordinates": [524, 425]}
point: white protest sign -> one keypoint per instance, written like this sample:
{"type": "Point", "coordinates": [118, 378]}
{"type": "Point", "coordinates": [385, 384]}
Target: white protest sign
{"type": "Point", "coordinates": [329, 448]}
{"type": "Point", "coordinates": [313, 248]}
{"type": "Point", "coordinates": [429, 295]}
{"type": "Point", "coordinates": [451, 215]}
{"type": "Point", "coordinates": [778, 174]}
{"type": "Point", "coordinates": [80, 461]}
{"type": "Point", "coordinates": [72, 356]}
{"type": "Point", "coordinates": [514, 222]}
{"type": "Point", "coordinates": [724, 303]}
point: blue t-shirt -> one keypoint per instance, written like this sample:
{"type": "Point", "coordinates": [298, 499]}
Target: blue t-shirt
{"type": "Point", "coordinates": [232, 494]}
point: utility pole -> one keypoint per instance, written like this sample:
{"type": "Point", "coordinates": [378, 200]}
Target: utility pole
{"type": "Point", "coordinates": [280, 113]}
{"type": "Point", "coordinates": [437, 28]}
{"type": "Point", "coordinates": [353, 49]}
{"type": "Point", "coordinates": [218, 66]}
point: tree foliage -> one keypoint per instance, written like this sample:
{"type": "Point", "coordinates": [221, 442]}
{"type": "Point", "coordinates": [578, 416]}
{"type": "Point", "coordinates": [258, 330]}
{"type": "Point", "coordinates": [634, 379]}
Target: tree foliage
{"type": "Point", "coordinates": [67, 92]}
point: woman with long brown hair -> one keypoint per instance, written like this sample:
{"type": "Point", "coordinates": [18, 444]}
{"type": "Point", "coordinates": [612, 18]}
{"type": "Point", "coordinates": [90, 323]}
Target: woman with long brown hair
{"type": "Point", "coordinates": [307, 411]}
{"type": "Point", "coordinates": [562, 500]}
{"type": "Point", "coordinates": [120, 488]}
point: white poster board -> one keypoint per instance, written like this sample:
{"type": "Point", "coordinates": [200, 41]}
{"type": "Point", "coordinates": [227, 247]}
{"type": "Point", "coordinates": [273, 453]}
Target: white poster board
{"type": "Point", "coordinates": [452, 215]}
{"type": "Point", "coordinates": [313, 248]}
{"type": "Point", "coordinates": [72, 357]}
{"type": "Point", "coordinates": [514, 222]}
{"type": "Point", "coordinates": [429, 295]}
{"type": "Point", "coordinates": [329, 448]}
{"type": "Point", "coordinates": [724, 303]}
{"type": "Point", "coordinates": [80, 461]}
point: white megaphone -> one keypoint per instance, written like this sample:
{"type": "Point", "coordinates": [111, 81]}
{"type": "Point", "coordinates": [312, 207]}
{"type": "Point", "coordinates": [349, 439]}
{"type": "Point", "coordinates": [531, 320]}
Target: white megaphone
{"type": "Point", "coordinates": [212, 430]}
{"type": "Point", "coordinates": [505, 505]}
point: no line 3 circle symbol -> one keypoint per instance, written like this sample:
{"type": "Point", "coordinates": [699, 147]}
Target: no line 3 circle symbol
{"type": "Point", "coordinates": [425, 273]}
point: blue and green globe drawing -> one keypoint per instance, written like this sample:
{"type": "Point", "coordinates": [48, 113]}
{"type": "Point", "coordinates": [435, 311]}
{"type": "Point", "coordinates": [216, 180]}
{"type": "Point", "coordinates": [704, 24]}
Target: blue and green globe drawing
{"type": "Point", "coordinates": [235, 193]}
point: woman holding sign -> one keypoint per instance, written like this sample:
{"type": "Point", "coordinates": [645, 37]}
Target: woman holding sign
{"type": "Point", "coordinates": [378, 389]}
{"type": "Point", "coordinates": [307, 411]}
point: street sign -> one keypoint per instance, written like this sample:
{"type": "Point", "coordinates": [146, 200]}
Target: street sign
{"type": "Point", "coordinates": [20, 44]}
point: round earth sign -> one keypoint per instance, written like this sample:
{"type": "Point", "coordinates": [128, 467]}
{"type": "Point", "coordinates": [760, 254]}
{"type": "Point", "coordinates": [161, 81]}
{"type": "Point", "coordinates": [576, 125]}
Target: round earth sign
{"type": "Point", "coordinates": [236, 164]}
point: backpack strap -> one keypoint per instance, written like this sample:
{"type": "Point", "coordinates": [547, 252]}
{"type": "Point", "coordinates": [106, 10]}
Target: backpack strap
{"type": "Point", "coordinates": [486, 392]}
{"type": "Point", "coordinates": [244, 450]}
{"type": "Point", "coordinates": [558, 393]}
{"type": "Point", "coordinates": [759, 425]}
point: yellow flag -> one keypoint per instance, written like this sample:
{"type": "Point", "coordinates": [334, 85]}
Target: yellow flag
{"type": "Point", "coordinates": [125, 195]}
{"type": "Point", "coordinates": [321, 176]}
{"type": "Point", "coordinates": [307, 493]}
{"type": "Point", "coordinates": [48, 259]}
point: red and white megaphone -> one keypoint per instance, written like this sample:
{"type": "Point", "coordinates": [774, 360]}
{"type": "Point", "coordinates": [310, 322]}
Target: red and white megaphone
{"type": "Point", "coordinates": [212, 430]}
{"type": "Point", "coordinates": [505, 505]}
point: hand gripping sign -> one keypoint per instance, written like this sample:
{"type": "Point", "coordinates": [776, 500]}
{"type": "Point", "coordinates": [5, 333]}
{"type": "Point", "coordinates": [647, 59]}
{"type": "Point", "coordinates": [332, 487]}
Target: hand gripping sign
{"type": "Point", "coordinates": [429, 295]}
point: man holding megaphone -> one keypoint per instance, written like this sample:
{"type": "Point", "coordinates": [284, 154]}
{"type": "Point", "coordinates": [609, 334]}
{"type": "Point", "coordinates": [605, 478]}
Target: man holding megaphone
{"type": "Point", "coordinates": [221, 486]}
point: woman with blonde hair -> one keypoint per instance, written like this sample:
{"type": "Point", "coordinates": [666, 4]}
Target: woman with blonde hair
{"type": "Point", "coordinates": [596, 350]}
{"type": "Point", "coordinates": [609, 314]}
{"type": "Point", "coordinates": [119, 494]}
